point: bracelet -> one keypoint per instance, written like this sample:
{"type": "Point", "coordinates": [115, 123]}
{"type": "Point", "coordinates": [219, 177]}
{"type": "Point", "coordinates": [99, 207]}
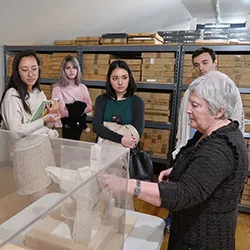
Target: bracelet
{"type": "Point", "coordinates": [137, 188]}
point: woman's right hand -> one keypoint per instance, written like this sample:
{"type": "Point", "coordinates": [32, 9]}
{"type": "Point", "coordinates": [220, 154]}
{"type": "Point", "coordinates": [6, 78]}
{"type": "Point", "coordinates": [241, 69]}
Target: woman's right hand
{"type": "Point", "coordinates": [164, 174]}
{"type": "Point", "coordinates": [49, 118]}
{"type": "Point", "coordinates": [128, 141]}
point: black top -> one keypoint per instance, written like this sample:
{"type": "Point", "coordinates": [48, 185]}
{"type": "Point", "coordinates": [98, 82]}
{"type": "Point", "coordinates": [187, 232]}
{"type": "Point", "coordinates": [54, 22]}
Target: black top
{"type": "Point", "coordinates": [204, 188]}
{"type": "Point", "coordinates": [137, 109]}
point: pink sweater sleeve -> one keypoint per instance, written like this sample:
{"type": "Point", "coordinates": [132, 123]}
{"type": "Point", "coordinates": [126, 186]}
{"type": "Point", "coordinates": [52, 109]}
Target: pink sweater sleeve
{"type": "Point", "coordinates": [57, 93]}
{"type": "Point", "coordinates": [86, 98]}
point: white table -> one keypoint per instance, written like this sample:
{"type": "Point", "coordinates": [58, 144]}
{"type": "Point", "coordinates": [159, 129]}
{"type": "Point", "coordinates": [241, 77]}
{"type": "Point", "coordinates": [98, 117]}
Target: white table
{"type": "Point", "coordinates": [146, 234]}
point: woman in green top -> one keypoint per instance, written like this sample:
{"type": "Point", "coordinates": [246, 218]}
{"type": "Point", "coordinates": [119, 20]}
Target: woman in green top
{"type": "Point", "coordinates": [119, 104]}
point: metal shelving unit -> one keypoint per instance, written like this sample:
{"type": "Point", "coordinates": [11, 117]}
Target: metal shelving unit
{"type": "Point", "coordinates": [147, 87]}
{"type": "Point", "coordinates": [244, 209]}
{"type": "Point", "coordinates": [225, 49]}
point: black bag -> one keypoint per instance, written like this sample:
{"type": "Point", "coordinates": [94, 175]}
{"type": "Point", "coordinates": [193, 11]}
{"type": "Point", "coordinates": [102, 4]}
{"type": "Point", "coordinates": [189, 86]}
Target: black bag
{"type": "Point", "coordinates": [141, 166]}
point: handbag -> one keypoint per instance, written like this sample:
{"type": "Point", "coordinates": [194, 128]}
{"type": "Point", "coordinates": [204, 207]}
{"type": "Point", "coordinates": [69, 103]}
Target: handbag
{"type": "Point", "coordinates": [141, 166]}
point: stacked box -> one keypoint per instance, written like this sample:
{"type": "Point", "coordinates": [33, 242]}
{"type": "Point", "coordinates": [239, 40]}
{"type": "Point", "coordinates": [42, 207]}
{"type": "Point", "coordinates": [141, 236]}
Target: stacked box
{"type": "Point", "coordinates": [64, 42]}
{"type": "Point", "coordinates": [47, 89]}
{"type": "Point", "coordinates": [10, 62]}
{"type": "Point", "coordinates": [57, 59]}
{"type": "Point", "coordinates": [248, 151]}
{"type": "Point", "coordinates": [246, 106]}
{"type": "Point", "coordinates": [216, 31]}
{"type": "Point", "coordinates": [158, 67]}
{"type": "Point", "coordinates": [189, 73]}
{"type": "Point", "coordinates": [88, 134]}
{"type": "Point", "coordinates": [155, 141]}
{"type": "Point", "coordinates": [157, 106]}
{"type": "Point", "coordinates": [134, 65]}
{"type": "Point", "coordinates": [180, 36]}
{"type": "Point", "coordinates": [145, 38]}
{"type": "Point", "coordinates": [239, 34]}
{"type": "Point", "coordinates": [113, 41]}
{"type": "Point", "coordinates": [245, 197]}
{"type": "Point", "coordinates": [89, 40]}
{"type": "Point", "coordinates": [114, 38]}
{"type": "Point", "coordinates": [95, 66]}
{"type": "Point", "coordinates": [94, 93]}
{"type": "Point", "coordinates": [236, 67]}
{"type": "Point", "coordinates": [45, 65]}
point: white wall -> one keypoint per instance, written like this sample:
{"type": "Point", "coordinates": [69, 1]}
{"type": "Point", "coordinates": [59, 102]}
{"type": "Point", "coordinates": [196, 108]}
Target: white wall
{"type": "Point", "coordinates": [41, 22]}
{"type": "Point", "coordinates": [29, 21]}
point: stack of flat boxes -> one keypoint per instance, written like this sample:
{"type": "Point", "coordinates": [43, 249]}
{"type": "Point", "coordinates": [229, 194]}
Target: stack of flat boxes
{"type": "Point", "coordinates": [157, 106]}
{"type": "Point", "coordinates": [46, 65]}
{"type": "Point", "coordinates": [10, 62]}
{"type": "Point", "coordinates": [95, 66]}
{"type": "Point", "coordinates": [246, 105]}
{"type": "Point", "coordinates": [65, 42]}
{"type": "Point", "coordinates": [145, 39]}
{"type": "Point", "coordinates": [245, 197]}
{"type": "Point", "coordinates": [158, 67]}
{"type": "Point", "coordinates": [89, 40]}
{"type": "Point", "coordinates": [236, 67]}
{"type": "Point", "coordinates": [157, 109]}
{"type": "Point", "coordinates": [180, 36]}
{"type": "Point", "coordinates": [155, 141]}
{"type": "Point", "coordinates": [113, 41]}
{"type": "Point", "coordinates": [134, 65]}
{"type": "Point", "coordinates": [47, 89]}
{"type": "Point", "coordinates": [189, 73]}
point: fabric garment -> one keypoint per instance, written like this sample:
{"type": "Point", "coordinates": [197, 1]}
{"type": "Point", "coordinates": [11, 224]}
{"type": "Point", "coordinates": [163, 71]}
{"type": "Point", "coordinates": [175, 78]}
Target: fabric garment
{"type": "Point", "coordinates": [137, 111]}
{"type": "Point", "coordinates": [120, 129]}
{"type": "Point", "coordinates": [74, 124]}
{"type": "Point", "coordinates": [183, 129]}
{"type": "Point", "coordinates": [70, 94]}
{"type": "Point", "coordinates": [70, 132]}
{"type": "Point", "coordinates": [29, 168]}
{"type": "Point", "coordinates": [16, 119]}
{"type": "Point", "coordinates": [204, 188]}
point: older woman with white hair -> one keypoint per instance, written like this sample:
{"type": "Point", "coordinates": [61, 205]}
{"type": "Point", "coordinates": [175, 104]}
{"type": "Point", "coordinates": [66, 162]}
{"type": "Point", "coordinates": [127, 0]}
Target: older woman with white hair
{"type": "Point", "coordinates": [202, 189]}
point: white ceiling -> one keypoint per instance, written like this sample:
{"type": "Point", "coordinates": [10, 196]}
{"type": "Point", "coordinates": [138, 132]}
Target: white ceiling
{"type": "Point", "coordinates": [42, 21]}
{"type": "Point", "coordinates": [229, 9]}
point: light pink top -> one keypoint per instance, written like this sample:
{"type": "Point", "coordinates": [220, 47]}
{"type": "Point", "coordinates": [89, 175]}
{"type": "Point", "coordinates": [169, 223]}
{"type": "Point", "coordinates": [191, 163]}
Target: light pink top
{"type": "Point", "coordinates": [70, 94]}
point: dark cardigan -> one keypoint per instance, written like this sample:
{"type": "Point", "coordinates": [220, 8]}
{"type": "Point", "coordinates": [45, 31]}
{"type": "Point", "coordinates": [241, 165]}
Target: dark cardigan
{"type": "Point", "coordinates": [204, 188]}
{"type": "Point", "coordinates": [137, 109]}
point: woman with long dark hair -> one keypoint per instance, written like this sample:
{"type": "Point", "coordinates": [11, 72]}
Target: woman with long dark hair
{"type": "Point", "coordinates": [20, 100]}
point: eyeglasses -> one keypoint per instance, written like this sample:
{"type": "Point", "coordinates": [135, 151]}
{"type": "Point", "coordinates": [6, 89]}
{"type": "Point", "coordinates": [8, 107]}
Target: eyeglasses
{"type": "Point", "coordinates": [25, 71]}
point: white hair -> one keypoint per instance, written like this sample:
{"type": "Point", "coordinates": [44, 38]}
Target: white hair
{"type": "Point", "coordinates": [218, 90]}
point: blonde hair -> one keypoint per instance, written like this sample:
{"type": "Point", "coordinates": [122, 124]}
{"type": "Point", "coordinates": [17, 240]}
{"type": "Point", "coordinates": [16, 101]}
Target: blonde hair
{"type": "Point", "coordinates": [63, 79]}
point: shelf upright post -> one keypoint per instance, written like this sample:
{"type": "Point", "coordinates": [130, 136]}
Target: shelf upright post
{"type": "Point", "coordinates": [179, 60]}
{"type": "Point", "coordinates": [79, 55]}
{"type": "Point", "coordinates": [5, 66]}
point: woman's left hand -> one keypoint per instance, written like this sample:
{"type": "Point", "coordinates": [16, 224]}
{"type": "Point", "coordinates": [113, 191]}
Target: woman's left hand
{"type": "Point", "coordinates": [113, 183]}
{"type": "Point", "coordinates": [53, 106]}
